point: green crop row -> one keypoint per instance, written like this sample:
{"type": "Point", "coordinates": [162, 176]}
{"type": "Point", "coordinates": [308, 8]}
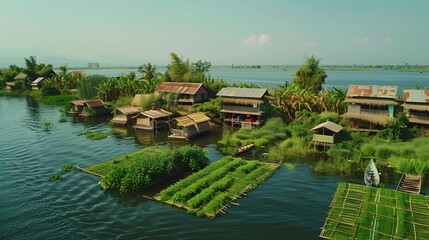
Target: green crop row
{"type": "Point", "coordinates": [209, 190]}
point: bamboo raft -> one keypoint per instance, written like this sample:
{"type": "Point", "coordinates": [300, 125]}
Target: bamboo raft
{"type": "Point", "coordinates": [243, 148]}
{"type": "Point", "coordinates": [410, 184]}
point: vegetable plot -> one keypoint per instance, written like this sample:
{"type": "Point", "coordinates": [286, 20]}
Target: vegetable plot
{"type": "Point", "coordinates": [210, 191]}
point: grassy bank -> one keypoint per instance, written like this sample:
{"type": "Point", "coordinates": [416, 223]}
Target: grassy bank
{"type": "Point", "coordinates": [209, 191]}
{"type": "Point", "coordinates": [59, 100]}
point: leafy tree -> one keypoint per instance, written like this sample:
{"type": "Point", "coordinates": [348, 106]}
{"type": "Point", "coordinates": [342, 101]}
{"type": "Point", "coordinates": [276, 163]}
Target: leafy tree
{"type": "Point", "coordinates": [310, 76]}
{"type": "Point", "coordinates": [201, 67]}
{"type": "Point", "coordinates": [397, 129]}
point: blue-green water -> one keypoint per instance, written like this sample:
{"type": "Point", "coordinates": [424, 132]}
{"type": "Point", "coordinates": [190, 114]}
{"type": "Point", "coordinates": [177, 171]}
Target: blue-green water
{"type": "Point", "coordinates": [274, 78]}
{"type": "Point", "coordinates": [291, 203]}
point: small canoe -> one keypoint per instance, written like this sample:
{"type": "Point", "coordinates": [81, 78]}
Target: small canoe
{"type": "Point", "coordinates": [243, 148]}
{"type": "Point", "coordinates": [371, 176]}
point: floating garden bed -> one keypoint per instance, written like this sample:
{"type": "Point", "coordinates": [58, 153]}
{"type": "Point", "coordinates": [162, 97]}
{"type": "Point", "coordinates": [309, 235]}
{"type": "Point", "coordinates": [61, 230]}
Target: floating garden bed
{"type": "Point", "coordinates": [139, 170]}
{"type": "Point", "coordinates": [361, 212]}
{"type": "Point", "coordinates": [125, 160]}
{"type": "Point", "coordinates": [209, 191]}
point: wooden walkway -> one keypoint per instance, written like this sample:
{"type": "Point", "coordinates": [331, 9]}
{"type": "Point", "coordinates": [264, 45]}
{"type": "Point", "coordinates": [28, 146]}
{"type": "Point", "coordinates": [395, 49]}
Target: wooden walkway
{"type": "Point", "coordinates": [410, 184]}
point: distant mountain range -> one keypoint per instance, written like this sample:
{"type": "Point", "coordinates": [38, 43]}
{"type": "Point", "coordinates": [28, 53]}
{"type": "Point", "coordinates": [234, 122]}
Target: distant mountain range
{"type": "Point", "coordinates": [10, 57]}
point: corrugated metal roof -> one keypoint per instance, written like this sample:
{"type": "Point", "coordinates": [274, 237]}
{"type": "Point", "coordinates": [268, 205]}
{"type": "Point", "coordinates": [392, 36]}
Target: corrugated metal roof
{"type": "Point", "coordinates": [90, 103]}
{"type": "Point", "coordinates": [416, 95]}
{"type": "Point", "coordinates": [39, 79]}
{"type": "Point", "coordinates": [242, 92]}
{"type": "Point", "coordinates": [95, 103]}
{"type": "Point", "coordinates": [374, 91]}
{"type": "Point", "coordinates": [180, 87]}
{"type": "Point", "coordinates": [329, 125]}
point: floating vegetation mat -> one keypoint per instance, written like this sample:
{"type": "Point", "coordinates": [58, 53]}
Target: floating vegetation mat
{"type": "Point", "coordinates": [361, 212]}
{"type": "Point", "coordinates": [211, 190]}
{"type": "Point", "coordinates": [95, 135]}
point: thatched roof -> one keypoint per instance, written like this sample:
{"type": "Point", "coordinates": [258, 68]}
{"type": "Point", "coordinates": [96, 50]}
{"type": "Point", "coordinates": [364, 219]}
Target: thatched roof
{"type": "Point", "coordinates": [372, 101]}
{"type": "Point", "coordinates": [253, 93]}
{"type": "Point", "coordinates": [382, 120]}
{"type": "Point", "coordinates": [416, 106]}
{"type": "Point", "coordinates": [329, 125]}
{"type": "Point", "coordinates": [241, 100]}
{"type": "Point", "coordinates": [241, 112]}
{"type": "Point", "coordinates": [21, 76]}
{"type": "Point", "coordinates": [417, 120]}
{"type": "Point", "coordinates": [154, 114]}
{"type": "Point", "coordinates": [39, 79]}
{"type": "Point", "coordinates": [78, 102]}
{"type": "Point", "coordinates": [128, 110]}
{"type": "Point", "coordinates": [180, 87]}
{"type": "Point", "coordinates": [192, 119]}
{"type": "Point", "coordinates": [137, 100]}
{"type": "Point", "coordinates": [198, 117]}
{"type": "Point", "coordinates": [184, 121]}
{"type": "Point", "coordinates": [373, 91]}
{"type": "Point", "coordinates": [416, 96]}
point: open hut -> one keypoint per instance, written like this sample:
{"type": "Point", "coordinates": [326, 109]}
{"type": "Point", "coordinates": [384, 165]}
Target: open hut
{"type": "Point", "coordinates": [326, 134]}
{"type": "Point", "coordinates": [416, 106]}
{"type": "Point", "coordinates": [370, 106]}
{"type": "Point", "coordinates": [189, 126]}
{"type": "Point", "coordinates": [152, 119]}
{"type": "Point", "coordinates": [87, 108]}
{"type": "Point", "coordinates": [124, 115]}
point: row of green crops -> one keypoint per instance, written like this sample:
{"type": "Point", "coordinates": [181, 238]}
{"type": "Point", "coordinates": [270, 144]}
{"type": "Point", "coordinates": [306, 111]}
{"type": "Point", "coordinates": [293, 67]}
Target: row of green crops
{"type": "Point", "coordinates": [137, 171]}
{"type": "Point", "coordinates": [206, 192]}
{"type": "Point", "coordinates": [360, 212]}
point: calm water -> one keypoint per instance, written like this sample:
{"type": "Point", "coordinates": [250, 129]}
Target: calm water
{"type": "Point", "coordinates": [274, 78]}
{"type": "Point", "coordinates": [292, 204]}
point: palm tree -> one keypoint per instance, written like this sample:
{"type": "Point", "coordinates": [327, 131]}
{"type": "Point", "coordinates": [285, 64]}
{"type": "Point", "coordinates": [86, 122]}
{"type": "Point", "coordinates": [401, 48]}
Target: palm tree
{"type": "Point", "coordinates": [148, 71]}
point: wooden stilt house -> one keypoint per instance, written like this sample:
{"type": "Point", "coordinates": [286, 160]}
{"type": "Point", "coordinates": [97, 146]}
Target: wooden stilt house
{"type": "Point", "coordinates": [326, 134]}
{"type": "Point", "coordinates": [87, 108]}
{"type": "Point", "coordinates": [370, 106]}
{"type": "Point", "coordinates": [189, 126]}
{"type": "Point", "coordinates": [188, 93]}
{"type": "Point", "coordinates": [152, 119]}
{"type": "Point", "coordinates": [416, 106]}
{"type": "Point", "coordinates": [124, 115]}
{"type": "Point", "coordinates": [242, 106]}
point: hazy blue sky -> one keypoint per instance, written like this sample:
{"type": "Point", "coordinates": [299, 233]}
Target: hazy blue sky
{"type": "Point", "coordinates": [221, 31]}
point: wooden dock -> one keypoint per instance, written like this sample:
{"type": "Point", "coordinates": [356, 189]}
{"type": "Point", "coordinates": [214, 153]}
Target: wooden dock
{"type": "Point", "coordinates": [410, 184]}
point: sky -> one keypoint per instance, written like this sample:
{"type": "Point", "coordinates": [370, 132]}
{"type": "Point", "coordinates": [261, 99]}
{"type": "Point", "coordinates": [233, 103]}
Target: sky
{"type": "Point", "coordinates": [219, 31]}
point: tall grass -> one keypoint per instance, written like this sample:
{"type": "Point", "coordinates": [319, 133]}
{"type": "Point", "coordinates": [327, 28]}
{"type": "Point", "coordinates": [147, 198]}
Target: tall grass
{"type": "Point", "coordinates": [406, 157]}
